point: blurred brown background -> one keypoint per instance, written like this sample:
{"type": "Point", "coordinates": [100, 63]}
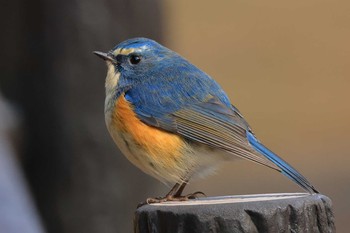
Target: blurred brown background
{"type": "Point", "coordinates": [285, 65]}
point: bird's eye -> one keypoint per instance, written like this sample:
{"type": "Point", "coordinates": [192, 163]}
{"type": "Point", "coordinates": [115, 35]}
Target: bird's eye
{"type": "Point", "coordinates": [134, 59]}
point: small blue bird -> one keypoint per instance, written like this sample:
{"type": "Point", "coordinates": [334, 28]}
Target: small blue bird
{"type": "Point", "coordinates": [173, 121]}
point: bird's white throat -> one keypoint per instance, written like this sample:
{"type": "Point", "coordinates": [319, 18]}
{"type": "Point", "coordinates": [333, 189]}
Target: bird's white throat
{"type": "Point", "coordinates": [111, 83]}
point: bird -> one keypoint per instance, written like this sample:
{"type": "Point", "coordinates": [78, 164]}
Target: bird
{"type": "Point", "coordinates": [174, 122]}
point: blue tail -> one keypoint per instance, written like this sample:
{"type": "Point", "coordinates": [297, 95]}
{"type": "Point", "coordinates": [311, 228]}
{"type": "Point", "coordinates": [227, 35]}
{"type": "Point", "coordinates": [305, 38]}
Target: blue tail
{"type": "Point", "coordinates": [286, 169]}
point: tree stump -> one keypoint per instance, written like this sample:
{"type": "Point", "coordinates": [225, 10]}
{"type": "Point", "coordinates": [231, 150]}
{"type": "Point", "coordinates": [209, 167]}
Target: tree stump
{"type": "Point", "coordinates": [281, 212]}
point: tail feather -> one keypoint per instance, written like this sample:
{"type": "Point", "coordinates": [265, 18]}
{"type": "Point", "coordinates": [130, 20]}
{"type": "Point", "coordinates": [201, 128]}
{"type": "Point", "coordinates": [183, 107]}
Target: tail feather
{"type": "Point", "coordinates": [286, 169]}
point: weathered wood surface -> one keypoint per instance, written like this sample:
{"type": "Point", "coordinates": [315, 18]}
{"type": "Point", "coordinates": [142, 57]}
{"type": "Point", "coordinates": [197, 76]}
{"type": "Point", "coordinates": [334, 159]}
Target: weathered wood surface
{"type": "Point", "coordinates": [284, 212]}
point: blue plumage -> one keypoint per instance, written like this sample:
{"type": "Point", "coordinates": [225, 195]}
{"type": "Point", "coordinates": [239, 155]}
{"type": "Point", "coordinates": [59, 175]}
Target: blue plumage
{"type": "Point", "coordinates": [172, 89]}
{"type": "Point", "coordinates": [170, 94]}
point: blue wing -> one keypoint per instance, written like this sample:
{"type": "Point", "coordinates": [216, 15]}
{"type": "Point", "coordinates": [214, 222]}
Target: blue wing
{"type": "Point", "coordinates": [194, 106]}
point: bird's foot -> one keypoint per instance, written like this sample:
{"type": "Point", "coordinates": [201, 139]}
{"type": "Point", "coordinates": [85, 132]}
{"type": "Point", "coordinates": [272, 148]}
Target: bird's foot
{"type": "Point", "coordinates": [194, 195]}
{"type": "Point", "coordinates": [187, 197]}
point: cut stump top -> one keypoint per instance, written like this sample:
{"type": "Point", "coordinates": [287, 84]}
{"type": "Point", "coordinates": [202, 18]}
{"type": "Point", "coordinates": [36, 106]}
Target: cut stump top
{"type": "Point", "coordinates": [279, 212]}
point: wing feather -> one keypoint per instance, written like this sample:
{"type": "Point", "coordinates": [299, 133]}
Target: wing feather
{"type": "Point", "coordinates": [218, 131]}
{"type": "Point", "coordinates": [210, 122]}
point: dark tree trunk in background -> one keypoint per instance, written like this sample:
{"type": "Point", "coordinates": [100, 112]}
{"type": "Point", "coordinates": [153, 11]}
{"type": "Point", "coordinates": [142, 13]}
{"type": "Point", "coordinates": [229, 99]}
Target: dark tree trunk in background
{"type": "Point", "coordinates": [79, 181]}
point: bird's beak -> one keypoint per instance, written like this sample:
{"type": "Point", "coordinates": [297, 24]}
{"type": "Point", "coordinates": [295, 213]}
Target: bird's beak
{"type": "Point", "coordinates": [104, 56]}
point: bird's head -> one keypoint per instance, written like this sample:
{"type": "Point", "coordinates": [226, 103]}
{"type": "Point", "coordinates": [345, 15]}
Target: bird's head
{"type": "Point", "coordinates": [135, 60]}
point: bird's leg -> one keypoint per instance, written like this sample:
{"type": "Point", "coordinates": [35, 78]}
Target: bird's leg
{"type": "Point", "coordinates": [167, 197]}
{"type": "Point", "coordinates": [174, 190]}
{"type": "Point", "coordinates": [188, 196]}
{"type": "Point", "coordinates": [175, 194]}
{"type": "Point", "coordinates": [180, 189]}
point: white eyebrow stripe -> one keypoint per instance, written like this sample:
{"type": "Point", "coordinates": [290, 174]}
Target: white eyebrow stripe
{"type": "Point", "coordinates": [123, 51]}
{"type": "Point", "coordinates": [127, 51]}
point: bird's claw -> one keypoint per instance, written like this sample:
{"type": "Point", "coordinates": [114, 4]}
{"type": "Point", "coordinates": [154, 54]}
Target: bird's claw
{"type": "Point", "coordinates": [195, 195]}
{"type": "Point", "coordinates": [187, 197]}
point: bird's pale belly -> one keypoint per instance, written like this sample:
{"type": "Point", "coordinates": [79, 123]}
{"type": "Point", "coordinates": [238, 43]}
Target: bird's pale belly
{"type": "Point", "coordinates": [161, 154]}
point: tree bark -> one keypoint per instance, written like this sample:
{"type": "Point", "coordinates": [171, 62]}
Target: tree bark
{"type": "Point", "coordinates": [75, 172]}
{"type": "Point", "coordinates": [294, 212]}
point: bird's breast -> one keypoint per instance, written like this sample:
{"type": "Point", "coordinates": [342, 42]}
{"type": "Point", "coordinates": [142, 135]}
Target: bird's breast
{"type": "Point", "coordinates": [156, 152]}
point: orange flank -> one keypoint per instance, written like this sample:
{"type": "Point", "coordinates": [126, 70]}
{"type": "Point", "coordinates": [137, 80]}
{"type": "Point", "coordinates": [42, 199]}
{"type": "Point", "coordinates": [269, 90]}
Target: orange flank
{"type": "Point", "coordinates": [162, 147]}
